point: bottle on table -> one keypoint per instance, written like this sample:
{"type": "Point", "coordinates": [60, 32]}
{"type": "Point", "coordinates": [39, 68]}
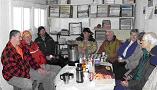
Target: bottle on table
{"type": "Point", "coordinates": [91, 67]}
{"type": "Point", "coordinates": [103, 57]}
{"type": "Point", "coordinates": [79, 73]}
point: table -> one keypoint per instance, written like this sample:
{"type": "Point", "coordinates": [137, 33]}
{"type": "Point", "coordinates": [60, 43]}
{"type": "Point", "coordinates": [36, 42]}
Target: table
{"type": "Point", "coordinates": [107, 84]}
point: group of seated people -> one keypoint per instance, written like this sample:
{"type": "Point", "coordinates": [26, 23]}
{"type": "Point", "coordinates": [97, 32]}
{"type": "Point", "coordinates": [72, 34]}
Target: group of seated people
{"type": "Point", "coordinates": [133, 61]}
{"type": "Point", "coordinates": [27, 63]}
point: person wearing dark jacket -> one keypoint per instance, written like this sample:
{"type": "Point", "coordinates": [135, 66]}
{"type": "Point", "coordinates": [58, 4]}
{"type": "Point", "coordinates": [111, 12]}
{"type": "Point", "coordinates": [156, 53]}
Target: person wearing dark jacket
{"type": "Point", "coordinates": [45, 42]}
{"type": "Point", "coordinates": [48, 46]}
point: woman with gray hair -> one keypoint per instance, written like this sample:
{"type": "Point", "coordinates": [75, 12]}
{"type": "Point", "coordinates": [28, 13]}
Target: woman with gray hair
{"type": "Point", "coordinates": [149, 42]}
{"type": "Point", "coordinates": [139, 76]}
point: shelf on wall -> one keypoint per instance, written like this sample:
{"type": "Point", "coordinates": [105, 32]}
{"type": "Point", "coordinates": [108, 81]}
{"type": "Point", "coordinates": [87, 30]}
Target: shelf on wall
{"type": "Point", "coordinates": [92, 11]}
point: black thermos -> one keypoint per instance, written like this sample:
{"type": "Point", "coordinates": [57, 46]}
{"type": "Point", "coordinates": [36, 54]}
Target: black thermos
{"type": "Point", "coordinates": [79, 73]}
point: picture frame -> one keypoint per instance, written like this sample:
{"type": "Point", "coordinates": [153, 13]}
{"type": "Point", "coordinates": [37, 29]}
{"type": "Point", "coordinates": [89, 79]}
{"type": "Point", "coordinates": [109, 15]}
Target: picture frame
{"type": "Point", "coordinates": [83, 11]}
{"type": "Point", "coordinates": [114, 10]}
{"type": "Point", "coordinates": [102, 10]}
{"type": "Point", "coordinates": [75, 28]}
{"type": "Point", "coordinates": [126, 23]}
{"type": "Point", "coordinates": [93, 11]}
{"type": "Point", "coordinates": [66, 11]}
{"type": "Point", "coordinates": [126, 10]}
{"type": "Point", "coordinates": [150, 3]}
{"type": "Point", "coordinates": [54, 11]}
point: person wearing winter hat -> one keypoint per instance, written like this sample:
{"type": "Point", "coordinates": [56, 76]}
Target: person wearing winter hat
{"type": "Point", "coordinates": [45, 41]}
{"type": "Point", "coordinates": [52, 70]}
{"type": "Point", "coordinates": [86, 43]}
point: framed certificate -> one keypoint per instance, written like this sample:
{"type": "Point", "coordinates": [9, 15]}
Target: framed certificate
{"type": "Point", "coordinates": [66, 11]}
{"type": "Point", "coordinates": [54, 11]}
{"type": "Point", "coordinates": [75, 28]}
{"type": "Point", "coordinates": [114, 10]}
{"type": "Point", "coordinates": [126, 23]}
{"type": "Point", "coordinates": [102, 10]}
{"type": "Point", "coordinates": [126, 10]}
{"type": "Point", "coordinates": [82, 11]}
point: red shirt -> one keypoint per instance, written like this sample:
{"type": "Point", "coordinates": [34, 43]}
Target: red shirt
{"type": "Point", "coordinates": [35, 52]}
{"type": "Point", "coordinates": [14, 64]}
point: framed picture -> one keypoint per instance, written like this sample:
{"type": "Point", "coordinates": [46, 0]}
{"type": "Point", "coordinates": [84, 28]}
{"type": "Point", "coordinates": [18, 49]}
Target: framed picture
{"type": "Point", "coordinates": [100, 35]}
{"type": "Point", "coordinates": [54, 11]}
{"type": "Point", "coordinates": [75, 28]}
{"type": "Point", "coordinates": [126, 23]}
{"type": "Point", "coordinates": [93, 11]}
{"type": "Point", "coordinates": [82, 11]}
{"type": "Point", "coordinates": [102, 10]}
{"type": "Point", "coordinates": [150, 3]}
{"type": "Point", "coordinates": [66, 11]}
{"type": "Point", "coordinates": [126, 10]}
{"type": "Point", "coordinates": [114, 10]}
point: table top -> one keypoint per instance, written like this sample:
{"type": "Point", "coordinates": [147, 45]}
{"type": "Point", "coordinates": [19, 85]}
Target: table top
{"type": "Point", "coordinates": [106, 84]}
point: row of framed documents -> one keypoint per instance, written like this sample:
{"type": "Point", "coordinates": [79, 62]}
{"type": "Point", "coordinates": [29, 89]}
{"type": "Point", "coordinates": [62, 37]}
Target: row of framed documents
{"type": "Point", "coordinates": [66, 11]}
{"type": "Point", "coordinates": [60, 11]}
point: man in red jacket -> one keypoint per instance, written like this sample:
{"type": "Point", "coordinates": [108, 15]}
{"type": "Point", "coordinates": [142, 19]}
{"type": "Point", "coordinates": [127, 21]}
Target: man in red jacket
{"type": "Point", "coordinates": [17, 62]}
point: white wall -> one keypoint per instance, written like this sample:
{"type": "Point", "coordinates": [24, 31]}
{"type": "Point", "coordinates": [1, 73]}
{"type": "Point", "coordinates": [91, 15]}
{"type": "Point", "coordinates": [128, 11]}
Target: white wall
{"type": "Point", "coordinates": [142, 23]}
{"type": "Point", "coordinates": [4, 26]}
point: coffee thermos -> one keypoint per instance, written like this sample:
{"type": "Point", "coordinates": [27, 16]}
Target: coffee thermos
{"type": "Point", "coordinates": [73, 51]}
{"type": "Point", "coordinates": [79, 73]}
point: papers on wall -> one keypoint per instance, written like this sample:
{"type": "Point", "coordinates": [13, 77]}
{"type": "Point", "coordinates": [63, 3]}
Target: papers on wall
{"type": "Point", "coordinates": [149, 13]}
{"type": "Point", "coordinates": [75, 28]}
{"type": "Point", "coordinates": [82, 11]}
{"type": "Point", "coordinates": [126, 10]}
{"type": "Point", "coordinates": [114, 10]}
{"type": "Point", "coordinates": [54, 11]}
{"type": "Point", "coordinates": [126, 23]}
{"type": "Point", "coordinates": [65, 11]}
{"type": "Point", "coordinates": [93, 10]}
{"type": "Point", "coordinates": [102, 10]}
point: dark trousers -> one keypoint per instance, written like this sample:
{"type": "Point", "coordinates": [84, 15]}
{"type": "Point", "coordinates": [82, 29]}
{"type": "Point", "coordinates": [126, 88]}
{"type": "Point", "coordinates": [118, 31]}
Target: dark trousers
{"type": "Point", "coordinates": [119, 70]}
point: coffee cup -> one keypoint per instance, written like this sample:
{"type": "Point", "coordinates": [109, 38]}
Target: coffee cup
{"type": "Point", "coordinates": [66, 77]}
{"type": "Point", "coordinates": [120, 59]}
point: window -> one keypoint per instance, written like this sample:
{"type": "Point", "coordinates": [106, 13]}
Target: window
{"type": "Point", "coordinates": [21, 18]}
{"type": "Point", "coordinates": [39, 17]}
{"type": "Point", "coordinates": [26, 16]}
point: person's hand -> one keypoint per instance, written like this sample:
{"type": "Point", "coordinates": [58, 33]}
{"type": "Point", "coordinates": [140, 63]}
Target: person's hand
{"type": "Point", "coordinates": [127, 77]}
{"type": "Point", "coordinates": [120, 59]}
{"type": "Point", "coordinates": [124, 83]}
{"type": "Point", "coordinates": [43, 66]}
{"type": "Point", "coordinates": [49, 57]}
